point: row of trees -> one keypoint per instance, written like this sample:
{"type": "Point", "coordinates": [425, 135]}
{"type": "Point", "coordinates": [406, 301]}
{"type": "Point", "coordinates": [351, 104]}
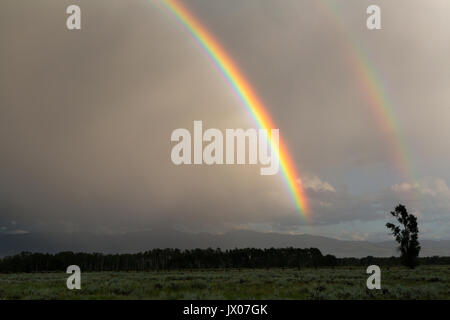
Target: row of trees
{"type": "Point", "coordinates": [167, 259]}
{"type": "Point", "coordinates": [170, 259]}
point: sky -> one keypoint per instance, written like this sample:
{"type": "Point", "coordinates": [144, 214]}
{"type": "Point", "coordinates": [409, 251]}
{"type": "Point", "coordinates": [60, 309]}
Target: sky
{"type": "Point", "coordinates": [86, 116]}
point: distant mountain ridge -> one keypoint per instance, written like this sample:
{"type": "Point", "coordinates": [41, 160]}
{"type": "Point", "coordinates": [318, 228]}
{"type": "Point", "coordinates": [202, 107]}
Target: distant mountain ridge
{"type": "Point", "coordinates": [141, 241]}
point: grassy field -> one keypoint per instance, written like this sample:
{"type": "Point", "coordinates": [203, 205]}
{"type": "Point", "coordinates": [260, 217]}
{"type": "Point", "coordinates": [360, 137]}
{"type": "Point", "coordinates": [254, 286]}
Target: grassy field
{"type": "Point", "coordinates": [425, 282]}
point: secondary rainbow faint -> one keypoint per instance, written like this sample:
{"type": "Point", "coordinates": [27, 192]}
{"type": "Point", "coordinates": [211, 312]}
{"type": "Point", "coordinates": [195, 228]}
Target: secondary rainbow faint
{"type": "Point", "coordinates": [246, 94]}
{"type": "Point", "coordinates": [372, 86]}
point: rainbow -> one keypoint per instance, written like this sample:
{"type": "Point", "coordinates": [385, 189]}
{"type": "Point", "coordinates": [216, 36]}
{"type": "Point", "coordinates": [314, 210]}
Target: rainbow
{"type": "Point", "coordinates": [383, 111]}
{"type": "Point", "coordinates": [246, 94]}
{"type": "Point", "coordinates": [375, 93]}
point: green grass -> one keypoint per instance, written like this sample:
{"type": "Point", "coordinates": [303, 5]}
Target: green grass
{"type": "Point", "coordinates": [425, 282]}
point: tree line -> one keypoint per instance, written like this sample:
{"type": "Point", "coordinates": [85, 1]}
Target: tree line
{"type": "Point", "coordinates": [172, 259]}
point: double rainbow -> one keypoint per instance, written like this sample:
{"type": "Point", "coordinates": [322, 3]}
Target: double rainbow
{"type": "Point", "coordinates": [246, 94]}
{"type": "Point", "coordinates": [364, 71]}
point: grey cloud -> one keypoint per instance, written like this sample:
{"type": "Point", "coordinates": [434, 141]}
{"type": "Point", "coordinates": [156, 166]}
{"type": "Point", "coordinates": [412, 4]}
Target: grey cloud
{"type": "Point", "coordinates": [86, 117]}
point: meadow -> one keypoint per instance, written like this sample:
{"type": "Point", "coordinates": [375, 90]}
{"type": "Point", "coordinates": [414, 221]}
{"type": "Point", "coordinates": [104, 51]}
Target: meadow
{"type": "Point", "coordinates": [424, 282]}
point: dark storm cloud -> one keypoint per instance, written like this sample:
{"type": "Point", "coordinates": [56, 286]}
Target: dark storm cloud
{"type": "Point", "coordinates": [86, 116]}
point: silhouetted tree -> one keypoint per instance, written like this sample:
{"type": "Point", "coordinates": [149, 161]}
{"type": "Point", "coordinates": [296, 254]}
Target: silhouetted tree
{"type": "Point", "coordinates": [406, 234]}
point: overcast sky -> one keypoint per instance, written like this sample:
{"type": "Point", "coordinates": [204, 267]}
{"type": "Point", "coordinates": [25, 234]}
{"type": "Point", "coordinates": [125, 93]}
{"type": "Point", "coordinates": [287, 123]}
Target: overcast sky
{"type": "Point", "coordinates": [86, 116]}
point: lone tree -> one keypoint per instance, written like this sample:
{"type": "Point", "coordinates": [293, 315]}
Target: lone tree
{"type": "Point", "coordinates": [406, 234]}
